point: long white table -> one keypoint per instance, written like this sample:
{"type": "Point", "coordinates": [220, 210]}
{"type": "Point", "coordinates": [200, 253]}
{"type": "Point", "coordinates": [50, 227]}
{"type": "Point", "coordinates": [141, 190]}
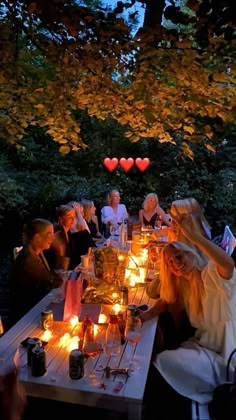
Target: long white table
{"type": "Point", "coordinates": [56, 383]}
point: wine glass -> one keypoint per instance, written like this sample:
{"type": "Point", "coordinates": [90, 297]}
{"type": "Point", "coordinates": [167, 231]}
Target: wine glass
{"type": "Point", "coordinates": [158, 224]}
{"type": "Point", "coordinates": [133, 334]}
{"type": "Point", "coordinates": [114, 228]}
{"type": "Point", "coordinates": [92, 349]}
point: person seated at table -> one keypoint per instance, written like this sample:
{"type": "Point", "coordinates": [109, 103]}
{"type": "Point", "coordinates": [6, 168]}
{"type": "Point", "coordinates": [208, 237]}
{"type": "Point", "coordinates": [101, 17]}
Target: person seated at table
{"type": "Point", "coordinates": [31, 277]}
{"type": "Point", "coordinates": [67, 247]}
{"type": "Point", "coordinates": [60, 254]}
{"type": "Point", "coordinates": [152, 212]}
{"type": "Point", "coordinates": [114, 213]}
{"type": "Point", "coordinates": [80, 222]}
{"type": "Point", "coordinates": [207, 292]}
{"type": "Point", "coordinates": [92, 221]}
{"type": "Point", "coordinates": [174, 322]}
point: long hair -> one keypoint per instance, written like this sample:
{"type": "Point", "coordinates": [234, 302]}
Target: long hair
{"type": "Point", "coordinates": [188, 205]}
{"type": "Point", "coordinates": [33, 227]}
{"type": "Point", "coordinates": [147, 198]}
{"type": "Point", "coordinates": [87, 205]}
{"type": "Point", "coordinates": [171, 286]}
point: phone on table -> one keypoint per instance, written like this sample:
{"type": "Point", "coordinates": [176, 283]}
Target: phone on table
{"type": "Point", "coordinates": [143, 307]}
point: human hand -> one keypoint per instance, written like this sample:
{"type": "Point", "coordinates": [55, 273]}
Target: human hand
{"type": "Point", "coordinates": [187, 223]}
{"type": "Point", "coordinates": [13, 397]}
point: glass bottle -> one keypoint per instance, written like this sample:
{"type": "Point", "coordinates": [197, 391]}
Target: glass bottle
{"type": "Point", "coordinates": [123, 234]}
{"type": "Point", "coordinates": [87, 331]}
{"type": "Point", "coordinates": [113, 337]}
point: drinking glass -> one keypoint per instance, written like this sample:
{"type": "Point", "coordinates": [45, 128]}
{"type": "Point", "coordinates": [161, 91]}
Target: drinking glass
{"type": "Point", "coordinates": [92, 349]}
{"type": "Point", "coordinates": [133, 334]}
{"type": "Point", "coordinates": [114, 229]}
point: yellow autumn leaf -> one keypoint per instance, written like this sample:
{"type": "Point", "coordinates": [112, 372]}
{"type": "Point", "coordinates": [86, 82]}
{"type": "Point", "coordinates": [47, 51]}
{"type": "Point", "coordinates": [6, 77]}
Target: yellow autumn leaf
{"type": "Point", "coordinates": [210, 147]}
{"type": "Point", "coordinates": [64, 150]}
{"type": "Point", "coordinates": [188, 129]}
{"type": "Point", "coordinates": [40, 107]}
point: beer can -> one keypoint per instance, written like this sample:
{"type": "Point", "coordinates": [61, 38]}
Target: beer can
{"type": "Point", "coordinates": [38, 361]}
{"type": "Point", "coordinates": [131, 311]}
{"type": "Point", "coordinates": [47, 319]}
{"type": "Point", "coordinates": [124, 295]}
{"type": "Point", "coordinates": [76, 364]}
{"type": "Point", "coordinates": [31, 343]}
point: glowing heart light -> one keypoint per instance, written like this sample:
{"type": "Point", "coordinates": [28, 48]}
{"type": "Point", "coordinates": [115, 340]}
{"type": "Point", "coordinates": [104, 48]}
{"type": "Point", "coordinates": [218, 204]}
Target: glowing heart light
{"type": "Point", "coordinates": [126, 164]}
{"type": "Point", "coordinates": [110, 164]}
{"type": "Point", "coordinates": [142, 164]}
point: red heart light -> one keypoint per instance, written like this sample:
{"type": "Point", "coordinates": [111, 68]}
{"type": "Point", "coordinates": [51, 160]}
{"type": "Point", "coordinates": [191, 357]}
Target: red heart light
{"type": "Point", "coordinates": [142, 164]}
{"type": "Point", "coordinates": [126, 164]}
{"type": "Point", "coordinates": [110, 164]}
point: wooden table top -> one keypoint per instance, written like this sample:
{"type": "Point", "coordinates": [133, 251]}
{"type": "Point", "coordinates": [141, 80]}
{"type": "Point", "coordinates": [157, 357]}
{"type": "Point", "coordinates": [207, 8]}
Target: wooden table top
{"type": "Point", "coordinates": [56, 384]}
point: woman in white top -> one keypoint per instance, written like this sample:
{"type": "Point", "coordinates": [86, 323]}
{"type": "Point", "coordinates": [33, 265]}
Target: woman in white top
{"type": "Point", "coordinates": [208, 292]}
{"type": "Point", "coordinates": [152, 212]}
{"type": "Point", "coordinates": [114, 212]}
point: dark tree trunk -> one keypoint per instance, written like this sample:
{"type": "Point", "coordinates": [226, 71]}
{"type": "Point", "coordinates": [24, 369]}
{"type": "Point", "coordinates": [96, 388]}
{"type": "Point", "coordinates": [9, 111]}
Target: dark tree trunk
{"type": "Point", "coordinates": [153, 13]}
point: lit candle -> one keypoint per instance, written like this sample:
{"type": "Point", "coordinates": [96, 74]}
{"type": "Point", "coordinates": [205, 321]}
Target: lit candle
{"type": "Point", "coordinates": [46, 335]}
{"type": "Point", "coordinates": [64, 339]}
{"type": "Point", "coordinates": [116, 308]}
{"type": "Point", "coordinates": [102, 319]}
{"type": "Point", "coordinates": [72, 343]}
{"type": "Point", "coordinates": [115, 295]}
{"type": "Point", "coordinates": [74, 320]}
{"type": "Point", "coordinates": [133, 280]}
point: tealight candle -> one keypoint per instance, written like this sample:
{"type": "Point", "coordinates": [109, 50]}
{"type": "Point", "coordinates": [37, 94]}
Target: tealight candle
{"type": "Point", "coordinates": [46, 335]}
{"type": "Point", "coordinates": [74, 320]}
{"type": "Point", "coordinates": [116, 308]}
{"type": "Point", "coordinates": [102, 319]}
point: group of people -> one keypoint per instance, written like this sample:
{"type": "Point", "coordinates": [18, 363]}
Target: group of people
{"type": "Point", "coordinates": [197, 283]}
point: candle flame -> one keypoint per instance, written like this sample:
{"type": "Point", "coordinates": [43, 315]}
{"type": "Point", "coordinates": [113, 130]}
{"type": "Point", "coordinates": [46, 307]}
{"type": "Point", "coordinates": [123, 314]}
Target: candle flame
{"type": "Point", "coordinates": [74, 320]}
{"type": "Point", "coordinates": [116, 308]}
{"type": "Point", "coordinates": [46, 335]}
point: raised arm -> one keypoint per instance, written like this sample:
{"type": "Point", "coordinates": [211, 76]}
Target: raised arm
{"type": "Point", "coordinates": [189, 226]}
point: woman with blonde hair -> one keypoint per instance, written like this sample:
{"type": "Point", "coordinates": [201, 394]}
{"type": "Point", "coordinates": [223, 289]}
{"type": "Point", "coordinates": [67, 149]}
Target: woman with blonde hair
{"type": "Point", "coordinates": [207, 291]}
{"type": "Point", "coordinates": [151, 212]}
{"type": "Point", "coordinates": [92, 220]}
{"type": "Point", "coordinates": [114, 213]}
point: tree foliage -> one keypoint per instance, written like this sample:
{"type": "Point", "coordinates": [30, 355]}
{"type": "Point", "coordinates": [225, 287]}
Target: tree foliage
{"type": "Point", "coordinates": [165, 84]}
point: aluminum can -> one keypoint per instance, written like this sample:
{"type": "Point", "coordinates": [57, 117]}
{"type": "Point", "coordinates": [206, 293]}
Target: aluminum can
{"type": "Point", "coordinates": [76, 364]}
{"type": "Point", "coordinates": [47, 319]}
{"type": "Point", "coordinates": [131, 311]}
{"type": "Point", "coordinates": [124, 295]}
{"type": "Point", "coordinates": [31, 343]}
{"type": "Point", "coordinates": [38, 361]}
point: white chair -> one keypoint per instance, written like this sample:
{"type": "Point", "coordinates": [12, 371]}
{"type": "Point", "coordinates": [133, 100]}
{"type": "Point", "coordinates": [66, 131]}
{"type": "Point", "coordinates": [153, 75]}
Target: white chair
{"type": "Point", "coordinates": [228, 242]}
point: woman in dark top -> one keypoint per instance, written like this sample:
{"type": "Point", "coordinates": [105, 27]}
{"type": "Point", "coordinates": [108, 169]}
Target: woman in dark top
{"type": "Point", "coordinates": [92, 220]}
{"type": "Point", "coordinates": [67, 247]}
{"type": "Point", "coordinates": [31, 277]}
{"type": "Point", "coordinates": [151, 212]}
